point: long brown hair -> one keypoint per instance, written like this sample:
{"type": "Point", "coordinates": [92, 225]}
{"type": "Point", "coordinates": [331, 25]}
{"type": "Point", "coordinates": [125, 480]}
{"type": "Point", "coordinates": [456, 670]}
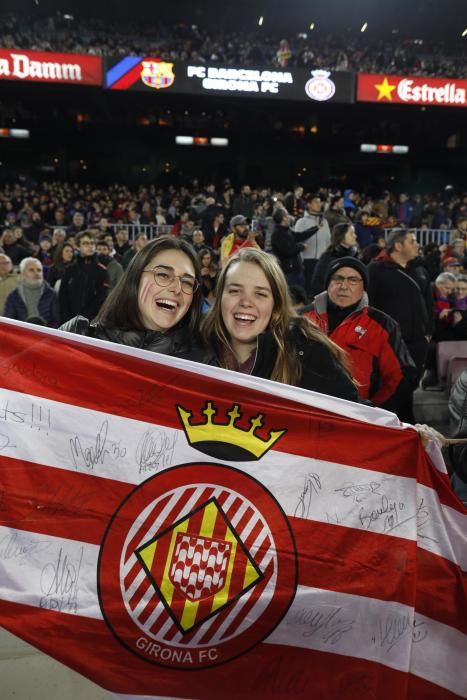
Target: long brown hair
{"type": "Point", "coordinates": [121, 308]}
{"type": "Point", "coordinates": [283, 320]}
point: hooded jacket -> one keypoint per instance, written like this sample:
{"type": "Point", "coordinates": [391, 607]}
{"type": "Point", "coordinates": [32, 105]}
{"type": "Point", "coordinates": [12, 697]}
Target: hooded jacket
{"type": "Point", "coordinates": [316, 244]}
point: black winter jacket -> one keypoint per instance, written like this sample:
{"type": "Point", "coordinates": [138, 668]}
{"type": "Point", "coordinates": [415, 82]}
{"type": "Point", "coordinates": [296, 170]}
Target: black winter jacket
{"type": "Point", "coordinates": [287, 246]}
{"type": "Point", "coordinates": [394, 290]}
{"type": "Point", "coordinates": [319, 369]}
{"type": "Point", "coordinates": [176, 342]}
{"type": "Point", "coordinates": [83, 288]}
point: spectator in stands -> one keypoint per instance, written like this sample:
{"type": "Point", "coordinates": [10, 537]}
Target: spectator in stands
{"type": "Point", "coordinates": [33, 300]}
{"type": "Point", "coordinates": [156, 305]}
{"type": "Point", "coordinates": [336, 213]}
{"type": "Point", "coordinates": [443, 327]}
{"type": "Point", "coordinates": [316, 244]}
{"type": "Point", "coordinates": [184, 227]}
{"type": "Point", "coordinates": [84, 285]}
{"type": "Point", "coordinates": [45, 252]}
{"type": "Point", "coordinates": [64, 256]}
{"type": "Point", "coordinates": [78, 223]}
{"type": "Point", "coordinates": [15, 251]}
{"type": "Point", "coordinates": [367, 229]}
{"type": "Point", "coordinates": [209, 274]}
{"type": "Point", "coordinates": [287, 246]}
{"type": "Point", "coordinates": [243, 203]}
{"type": "Point", "coordinates": [381, 364]}
{"type": "Point", "coordinates": [58, 237]}
{"type": "Point", "coordinates": [8, 279]}
{"type": "Point", "coordinates": [215, 230]}
{"type": "Point", "coordinates": [122, 245]}
{"type": "Point", "coordinates": [461, 230]}
{"type": "Point", "coordinates": [240, 237]}
{"type": "Point", "coordinates": [343, 244]}
{"type": "Point", "coordinates": [393, 290]}
{"type": "Point", "coordinates": [452, 265]}
{"type": "Point", "coordinates": [294, 202]}
{"type": "Point", "coordinates": [113, 267]}
{"type": "Point", "coordinates": [252, 328]}
{"type": "Point", "coordinates": [404, 210]}
{"type": "Point", "coordinates": [141, 240]}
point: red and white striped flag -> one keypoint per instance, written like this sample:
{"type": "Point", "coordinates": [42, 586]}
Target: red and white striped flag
{"type": "Point", "coordinates": [159, 517]}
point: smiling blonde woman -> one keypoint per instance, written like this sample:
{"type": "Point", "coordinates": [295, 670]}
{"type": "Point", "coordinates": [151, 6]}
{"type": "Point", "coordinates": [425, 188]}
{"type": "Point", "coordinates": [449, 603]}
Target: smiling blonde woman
{"type": "Point", "coordinates": [253, 328]}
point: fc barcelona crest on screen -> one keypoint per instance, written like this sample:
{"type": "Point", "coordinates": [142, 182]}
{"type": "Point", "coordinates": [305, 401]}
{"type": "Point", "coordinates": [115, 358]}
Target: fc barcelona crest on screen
{"type": "Point", "coordinates": [157, 74]}
{"type": "Point", "coordinates": [195, 567]}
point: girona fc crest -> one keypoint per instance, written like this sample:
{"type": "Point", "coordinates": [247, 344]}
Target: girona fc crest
{"type": "Point", "coordinates": [157, 74]}
{"type": "Point", "coordinates": [197, 566]}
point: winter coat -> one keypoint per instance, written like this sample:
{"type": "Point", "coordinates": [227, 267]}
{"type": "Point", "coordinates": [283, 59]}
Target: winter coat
{"type": "Point", "coordinates": [381, 362]}
{"type": "Point", "coordinates": [48, 307]}
{"type": "Point", "coordinates": [315, 245]}
{"type": "Point", "coordinates": [286, 246]}
{"type": "Point", "coordinates": [320, 371]}
{"type": "Point", "coordinates": [177, 341]}
{"type": "Point", "coordinates": [83, 288]}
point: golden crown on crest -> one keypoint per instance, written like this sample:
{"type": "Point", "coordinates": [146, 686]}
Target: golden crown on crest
{"type": "Point", "coordinates": [227, 440]}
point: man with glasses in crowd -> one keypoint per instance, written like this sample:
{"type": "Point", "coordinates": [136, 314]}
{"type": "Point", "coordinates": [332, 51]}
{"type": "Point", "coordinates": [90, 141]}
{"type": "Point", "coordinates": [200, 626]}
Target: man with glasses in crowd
{"type": "Point", "coordinates": [84, 285]}
{"type": "Point", "coordinates": [381, 363]}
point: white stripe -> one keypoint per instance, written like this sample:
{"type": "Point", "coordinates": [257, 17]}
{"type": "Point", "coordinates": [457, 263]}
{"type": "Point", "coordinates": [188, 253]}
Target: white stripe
{"type": "Point", "coordinates": [386, 632]}
{"type": "Point", "coordinates": [49, 572]}
{"type": "Point", "coordinates": [308, 398]}
{"type": "Point", "coordinates": [346, 496]}
{"type": "Point", "coordinates": [61, 574]}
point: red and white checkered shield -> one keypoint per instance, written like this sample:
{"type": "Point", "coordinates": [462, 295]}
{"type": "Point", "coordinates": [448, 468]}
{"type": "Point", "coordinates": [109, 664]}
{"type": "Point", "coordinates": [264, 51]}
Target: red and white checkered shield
{"type": "Point", "coordinates": [198, 567]}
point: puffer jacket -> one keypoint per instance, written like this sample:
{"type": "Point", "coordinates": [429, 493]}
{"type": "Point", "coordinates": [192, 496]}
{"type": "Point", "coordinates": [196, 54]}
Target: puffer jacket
{"type": "Point", "coordinates": [176, 342]}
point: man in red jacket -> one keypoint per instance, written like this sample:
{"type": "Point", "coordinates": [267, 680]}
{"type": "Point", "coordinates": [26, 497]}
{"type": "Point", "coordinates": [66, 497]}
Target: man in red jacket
{"type": "Point", "coordinates": [380, 361]}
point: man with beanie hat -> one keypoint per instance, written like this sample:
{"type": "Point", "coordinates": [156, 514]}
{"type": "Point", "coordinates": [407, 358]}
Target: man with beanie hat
{"type": "Point", "coordinates": [381, 363]}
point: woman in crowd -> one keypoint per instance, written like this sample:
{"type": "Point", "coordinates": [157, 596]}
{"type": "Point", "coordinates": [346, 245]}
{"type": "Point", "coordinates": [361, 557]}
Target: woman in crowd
{"type": "Point", "coordinates": [156, 305]}
{"type": "Point", "coordinates": [343, 244]}
{"type": "Point", "coordinates": [252, 328]}
{"type": "Point", "coordinates": [64, 256]}
{"type": "Point", "coordinates": [209, 274]}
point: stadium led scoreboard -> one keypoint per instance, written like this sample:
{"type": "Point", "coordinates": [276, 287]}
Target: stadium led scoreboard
{"type": "Point", "coordinates": [297, 84]}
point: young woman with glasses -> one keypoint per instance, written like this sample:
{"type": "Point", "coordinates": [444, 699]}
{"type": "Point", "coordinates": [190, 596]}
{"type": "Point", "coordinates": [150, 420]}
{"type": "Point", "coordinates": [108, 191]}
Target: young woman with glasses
{"type": "Point", "coordinates": [253, 328]}
{"type": "Point", "coordinates": [156, 305]}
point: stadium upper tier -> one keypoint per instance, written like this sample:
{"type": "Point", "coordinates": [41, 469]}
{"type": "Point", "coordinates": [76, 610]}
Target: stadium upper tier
{"type": "Point", "coordinates": [394, 55]}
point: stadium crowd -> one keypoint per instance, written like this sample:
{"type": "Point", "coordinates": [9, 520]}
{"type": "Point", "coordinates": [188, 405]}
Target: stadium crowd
{"type": "Point", "coordinates": [351, 262]}
{"type": "Point", "coordinates": [186, 42]}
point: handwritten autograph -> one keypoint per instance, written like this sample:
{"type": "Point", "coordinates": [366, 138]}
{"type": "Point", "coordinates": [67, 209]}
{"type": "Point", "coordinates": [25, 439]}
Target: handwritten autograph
{"type": "Point", "coordinates": [14, 546]}
{"type": "Point", "coordinates": [388, 510]}
{"type": "Point", "coordinates": [396, 626]}
{"type": "Point", "coordinates": [311, 487]}
{"type": "Point", "coordinates": [96, 453]}
{"type": "Point", "coordinates": [155, 449]}
{"type": "Point", "coordinates": [59, 583]}
{"type": "Point", "coordinates": [326, 621]}
{"type": "Point", "coordinates": [359, 492]}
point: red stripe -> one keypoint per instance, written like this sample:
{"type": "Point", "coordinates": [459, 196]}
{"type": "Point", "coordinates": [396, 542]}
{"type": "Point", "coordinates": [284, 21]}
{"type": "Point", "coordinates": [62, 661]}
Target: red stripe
{"type": "Point", "coordinates": [266, 672]}
{"type": "Point", "coordinates": [128, 79]}
{"type": "Point", "coordinates": [142, 383]}
{"type": "Point", "coordinates": [334, 557]}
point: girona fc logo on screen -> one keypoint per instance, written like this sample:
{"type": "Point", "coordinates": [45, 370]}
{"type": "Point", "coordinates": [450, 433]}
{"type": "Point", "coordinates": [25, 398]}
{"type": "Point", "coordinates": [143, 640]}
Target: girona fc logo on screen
{"type": "Point", "coordinates": [195, 572]}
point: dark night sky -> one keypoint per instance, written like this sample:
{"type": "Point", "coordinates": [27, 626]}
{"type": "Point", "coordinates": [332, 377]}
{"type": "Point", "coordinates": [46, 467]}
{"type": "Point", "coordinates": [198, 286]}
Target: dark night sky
{"type": "Point", "coordinates": [412, 17]}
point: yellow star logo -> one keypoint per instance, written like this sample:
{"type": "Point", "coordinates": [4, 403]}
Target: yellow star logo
{"type": "Point", "coordinates": [385, 90]}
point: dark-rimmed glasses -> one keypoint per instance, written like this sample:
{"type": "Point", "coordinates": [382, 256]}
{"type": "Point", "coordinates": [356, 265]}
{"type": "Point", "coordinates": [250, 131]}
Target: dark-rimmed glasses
{"type": "Point", "coordinates": [164, 278]}
{"type": "Point", "coordinates": [351, 281]}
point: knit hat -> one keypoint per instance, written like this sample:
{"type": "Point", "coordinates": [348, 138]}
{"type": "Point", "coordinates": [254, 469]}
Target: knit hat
{"type": "Point", "coordinates": [348, 261]}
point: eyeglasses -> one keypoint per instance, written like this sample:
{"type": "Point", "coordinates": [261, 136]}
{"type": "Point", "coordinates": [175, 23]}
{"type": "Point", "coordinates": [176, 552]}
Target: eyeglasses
{"type": "Point", "coordinates": [351, 281]}
{"type": "Point", "coordinates": [164, 278]}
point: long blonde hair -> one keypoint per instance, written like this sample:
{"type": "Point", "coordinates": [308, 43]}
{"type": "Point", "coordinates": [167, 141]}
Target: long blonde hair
{"type": "Point", "coordinates": [284, 319]}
